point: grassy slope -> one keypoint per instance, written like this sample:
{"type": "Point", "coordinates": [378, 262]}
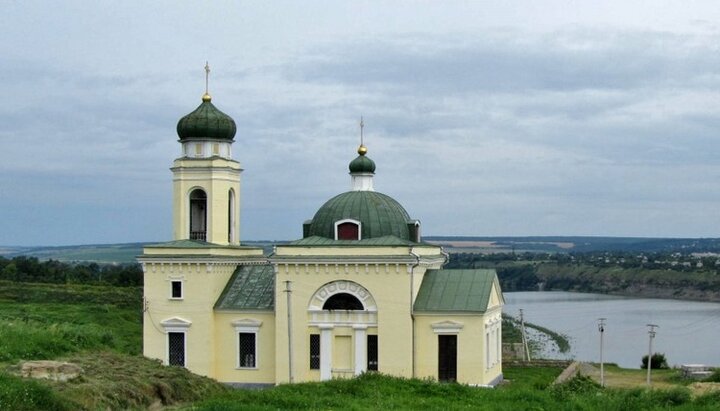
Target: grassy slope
{"type": "Point", "coordinates": [98, 328]}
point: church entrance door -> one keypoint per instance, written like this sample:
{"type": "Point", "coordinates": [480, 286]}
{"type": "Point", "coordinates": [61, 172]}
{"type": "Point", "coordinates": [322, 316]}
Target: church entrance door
{"type": "Point", "coordinates": [447, 357]}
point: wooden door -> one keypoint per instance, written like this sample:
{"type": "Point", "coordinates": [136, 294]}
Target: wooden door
{"type": "Point", "coordinates": [447, 357]}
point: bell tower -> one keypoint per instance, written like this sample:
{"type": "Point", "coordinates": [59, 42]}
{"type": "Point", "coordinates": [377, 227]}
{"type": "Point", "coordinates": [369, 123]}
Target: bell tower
{"type": "Point", "coordinates": [206, 179]}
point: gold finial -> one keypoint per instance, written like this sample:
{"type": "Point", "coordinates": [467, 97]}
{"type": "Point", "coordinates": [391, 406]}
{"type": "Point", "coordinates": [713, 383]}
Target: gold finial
{"type": "Point", "coordinates": [206, 96]}
{"type": "Point", "coordinates": [362, 149]}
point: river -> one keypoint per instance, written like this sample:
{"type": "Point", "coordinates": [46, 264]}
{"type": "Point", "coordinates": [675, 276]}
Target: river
{"type": "Point", "coordinates": [688, 331]}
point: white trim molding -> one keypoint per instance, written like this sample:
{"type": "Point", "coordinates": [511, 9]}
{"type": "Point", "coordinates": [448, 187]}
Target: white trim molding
{"type": "Point", "coordinates": [176, 325]}
{"type": "Point", "coordinates": [338, 287]}
{"type": "Point", "coordinates": [447, 327]}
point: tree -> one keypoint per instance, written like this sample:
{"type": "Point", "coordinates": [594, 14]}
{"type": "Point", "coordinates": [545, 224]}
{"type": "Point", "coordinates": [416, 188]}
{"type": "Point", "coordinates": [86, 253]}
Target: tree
{"type": "Point", "coordinates": [659, 362]}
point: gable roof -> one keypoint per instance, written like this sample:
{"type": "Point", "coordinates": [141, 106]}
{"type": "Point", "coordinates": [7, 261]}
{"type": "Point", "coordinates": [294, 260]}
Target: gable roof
{"type": "Point", "coordinates": [251, 287]}
{"type": "Point", "coordinates": [456, 291]}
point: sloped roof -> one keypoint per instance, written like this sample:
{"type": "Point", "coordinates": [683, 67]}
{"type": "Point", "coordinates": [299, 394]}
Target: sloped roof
{"type": "Point", "coordinates": [251, 287]}
{"type": "Point", "coordinates": [455, 290]}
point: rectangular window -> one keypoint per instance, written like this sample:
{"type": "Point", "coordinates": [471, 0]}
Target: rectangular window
{"type": "Point", "coordinates": [198, 149]}
{"type": "Point", "coordinates": [176, 349]}
{"type": "Point", "coordinates": [314, 351]}
{"type": "Point", "coordinates": [216, 148]}
{"type": "Point", "coordinates": [372, 352]}
{"type": "Point", "coordinates": [247, 350]}
{"type": "Point", "coordinates": [176, 289]}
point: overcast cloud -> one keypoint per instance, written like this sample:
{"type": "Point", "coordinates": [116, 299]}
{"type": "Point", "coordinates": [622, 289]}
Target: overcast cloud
{"type": "Point", "coordinates": [484, 118]}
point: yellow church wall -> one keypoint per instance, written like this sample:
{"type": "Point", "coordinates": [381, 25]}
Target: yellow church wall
{"type": "Point", "coordinates": [201, 284]}
{"type": "Point", "coordinates": [471, 347]}
{"type": "Point", "coordinates": [390, 288]}
{"type": "Point", "coordinates": [226, 346]}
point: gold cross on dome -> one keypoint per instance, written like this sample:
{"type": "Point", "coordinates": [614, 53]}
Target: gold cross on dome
{"type": "Point", "coordinates": [362, 125]}
{"type": "Point", "coordinates": [207, 76]}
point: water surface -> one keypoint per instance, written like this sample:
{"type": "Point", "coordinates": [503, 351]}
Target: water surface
{"type": "Point", "coordinates": [689, 331]}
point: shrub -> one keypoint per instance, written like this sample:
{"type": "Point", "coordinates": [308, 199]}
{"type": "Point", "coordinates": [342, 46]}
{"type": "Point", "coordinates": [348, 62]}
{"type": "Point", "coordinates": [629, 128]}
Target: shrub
{"type": "Point", "coordinates": [714, 377]}
{"type": "Point", "coordinates": [580, 384]}
{"type": "Point", "coordinates": [659, 362]}
{"type": "Point", "coordinates": [18, 394]}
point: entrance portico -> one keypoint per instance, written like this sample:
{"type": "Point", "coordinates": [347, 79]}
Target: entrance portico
{"type": "Point", "coordinates": [345, 313]}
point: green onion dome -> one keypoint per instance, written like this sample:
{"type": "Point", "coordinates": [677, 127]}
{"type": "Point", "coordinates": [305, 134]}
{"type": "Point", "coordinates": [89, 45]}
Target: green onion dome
{"type": "Point", "coordinates": [379, 214]}
{"type": "Point", "coordinates": [362, 164]}
{"type": "Point", "coordinates": [206, 122]}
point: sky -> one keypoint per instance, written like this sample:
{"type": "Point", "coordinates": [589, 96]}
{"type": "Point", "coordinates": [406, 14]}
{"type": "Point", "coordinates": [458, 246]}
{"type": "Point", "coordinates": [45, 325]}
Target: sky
{"type": "Point", "coordinates": [492, 118]}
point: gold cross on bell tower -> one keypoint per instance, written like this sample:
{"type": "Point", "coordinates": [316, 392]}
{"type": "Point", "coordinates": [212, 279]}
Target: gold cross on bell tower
{"type": "Point", "coordinates": [362, 149]}
{"type": "Point", "coordinates": [206, 96]}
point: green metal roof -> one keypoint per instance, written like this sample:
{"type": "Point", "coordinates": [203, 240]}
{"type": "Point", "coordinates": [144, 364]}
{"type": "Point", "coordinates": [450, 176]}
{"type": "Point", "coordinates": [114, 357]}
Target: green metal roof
{"type": "Point", "coordinates": [362, 164]}
{"type": "Point", "coordinates": [380, 215]}
{"type": "Point", "coordinates": [455, 290]}
{"type": "Point", "coordinates": [316, 241]}
{"type": "Point", "coordinates": [206, 122]}
{"type": "Point", "coordinates": [251, 287]}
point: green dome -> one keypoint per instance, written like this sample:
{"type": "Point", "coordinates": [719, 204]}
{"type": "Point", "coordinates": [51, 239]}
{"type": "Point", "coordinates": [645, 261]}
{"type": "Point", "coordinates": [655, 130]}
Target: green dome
{"type": "Point", "coordinates": [206, 122]}
{"type": "Point", "coordinates": [362, 164]}
{"type": "Point", "coordinates": [380, 215]}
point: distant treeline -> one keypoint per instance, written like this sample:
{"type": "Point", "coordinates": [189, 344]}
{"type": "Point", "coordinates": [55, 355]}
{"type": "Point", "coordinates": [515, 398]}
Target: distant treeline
{"type": "Point", "coordinates": [658, 275]}
{"type": "Point", "coordinates": [595, 244]}
{"type": "Point", "coordinates": [30, 269]}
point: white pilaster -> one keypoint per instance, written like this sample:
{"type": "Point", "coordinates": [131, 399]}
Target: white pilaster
{"type": "Point", "coordinates": [360, 349]}
{"type": "Point", "coordinates": [325, 351]}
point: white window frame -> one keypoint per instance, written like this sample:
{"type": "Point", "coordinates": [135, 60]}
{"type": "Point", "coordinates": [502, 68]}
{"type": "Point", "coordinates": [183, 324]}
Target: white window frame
{"type": "Point", "coordinates": [176, 325]}
{"type": "Point", "coordinates": [181, 280]}
{"type": "Point", "coordinates": [349, 220]}
{"type": "Point", "coordinates": [246, 326]}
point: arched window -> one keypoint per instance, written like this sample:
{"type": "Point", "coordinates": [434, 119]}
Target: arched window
{"type": "Point", "coordinates": [231, 216]}
{"type": "Point", "coordinates": [343, 301]}
{"type": "Point", "coordinates": [198, 215]}
{"type": "Point", "coordinates": [348, 230]}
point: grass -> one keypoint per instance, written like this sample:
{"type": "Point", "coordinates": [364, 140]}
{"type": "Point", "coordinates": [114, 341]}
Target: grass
{"type": "Point", "coordinates": [529, 377]}
{"type": "Point", "coordinates": [43, 321]}
{"type": "Point", "coordinates": [374, 391]}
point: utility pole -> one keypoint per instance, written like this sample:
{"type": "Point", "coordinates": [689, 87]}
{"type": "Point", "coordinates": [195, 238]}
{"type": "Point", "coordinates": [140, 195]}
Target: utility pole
{"type": "Point", "coordinates": [651, 333]}
{"type": "Point", "coordinates": [601, 328]}
{"type": "Point", "coordinates": [524, 336]}
{"type": "Point", "coordinates": [288, 290]}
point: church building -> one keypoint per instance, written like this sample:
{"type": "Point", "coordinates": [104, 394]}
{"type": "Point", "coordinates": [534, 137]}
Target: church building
{"type": "Point", "coordinates": [359, 292]}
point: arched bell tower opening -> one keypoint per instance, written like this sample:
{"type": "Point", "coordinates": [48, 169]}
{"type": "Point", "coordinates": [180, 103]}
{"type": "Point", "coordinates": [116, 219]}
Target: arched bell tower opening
{"type": "Point", "coordinates": [198, 215]}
